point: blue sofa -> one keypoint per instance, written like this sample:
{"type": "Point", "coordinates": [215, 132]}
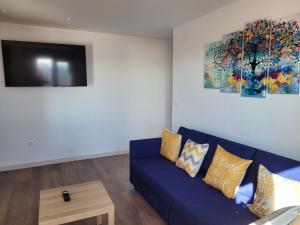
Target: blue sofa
{"type": "Point", "coordinates": [182, 200]}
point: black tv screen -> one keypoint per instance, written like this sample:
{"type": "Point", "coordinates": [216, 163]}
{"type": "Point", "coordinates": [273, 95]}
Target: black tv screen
{"type": "Point", "coordinates": [32, 64]}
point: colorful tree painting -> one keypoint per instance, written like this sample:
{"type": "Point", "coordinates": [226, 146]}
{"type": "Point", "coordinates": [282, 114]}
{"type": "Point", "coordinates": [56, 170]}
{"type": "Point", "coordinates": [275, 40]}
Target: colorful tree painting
{"type": "Point", "coordinates": [232, 62]}
{"type": "Point", "coordinates": [256, 58]}
{"type": "Point", "coordinates": [213, 65]}
{"type": "Point", "coordinates": [284, 57]}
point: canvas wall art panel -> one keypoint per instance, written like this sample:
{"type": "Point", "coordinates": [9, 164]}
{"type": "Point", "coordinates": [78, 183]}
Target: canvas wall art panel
{"type": "Point", "coordinates": [284, 57]}
{"type": "Point", "coordinates": [213, 65]}
{"type": "Point", "coordinates": [232, 62]}
{"type": "Point", "coordinates": [255, 58]}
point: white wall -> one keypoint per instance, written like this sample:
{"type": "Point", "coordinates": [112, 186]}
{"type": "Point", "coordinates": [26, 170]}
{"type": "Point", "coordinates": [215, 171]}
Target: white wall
{"type": "Point", "coordinates": [272, 124]}
{"type": "Point", "coordinates": [128, 96]}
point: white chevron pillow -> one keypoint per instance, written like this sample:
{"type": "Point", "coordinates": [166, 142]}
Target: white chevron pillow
{"type": "Point", "coordinates": [192, 157]}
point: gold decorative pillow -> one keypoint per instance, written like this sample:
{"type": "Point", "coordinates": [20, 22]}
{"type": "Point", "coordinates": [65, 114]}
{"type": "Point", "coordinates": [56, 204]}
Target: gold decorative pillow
{"type": "Point", "coordinates": [192, 157]}
{"type": "Point", "coordinates": [273, 192]}
{"type": "Point", "coordinates": [226, 172]}
{"type": "Point", "coordinates": [170, 145]}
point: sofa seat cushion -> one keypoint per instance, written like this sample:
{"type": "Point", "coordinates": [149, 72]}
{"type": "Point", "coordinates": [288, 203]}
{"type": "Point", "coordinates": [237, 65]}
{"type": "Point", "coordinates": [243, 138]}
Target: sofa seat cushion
{"type": "Point", "coordinates": [193, 200]}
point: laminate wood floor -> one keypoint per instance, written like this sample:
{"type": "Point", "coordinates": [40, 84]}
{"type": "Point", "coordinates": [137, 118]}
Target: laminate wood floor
{"type": "Point", "coordinates": [19, 191]}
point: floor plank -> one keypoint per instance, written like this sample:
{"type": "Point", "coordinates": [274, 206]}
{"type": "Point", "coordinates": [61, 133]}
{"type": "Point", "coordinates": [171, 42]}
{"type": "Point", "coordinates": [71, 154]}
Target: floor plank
{"type": "Point", "coordinates": [19, 191]}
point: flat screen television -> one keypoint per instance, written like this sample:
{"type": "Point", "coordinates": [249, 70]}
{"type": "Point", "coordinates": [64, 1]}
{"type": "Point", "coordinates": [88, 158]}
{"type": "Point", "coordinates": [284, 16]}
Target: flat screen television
{"type": "Point", "coordinates": [32, 64]}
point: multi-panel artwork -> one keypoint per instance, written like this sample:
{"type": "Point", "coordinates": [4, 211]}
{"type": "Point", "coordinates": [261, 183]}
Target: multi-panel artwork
{"type": "Point", "coordinates": [284, 57]}
{"type": "Point", "coordinates": [264, 57]}
{"type": "Point", "coordinates": [255, 58]}
{"type": "Point", "coordinates": [232, 62]}
{"type": "Point", "coordinates": [213, 65]}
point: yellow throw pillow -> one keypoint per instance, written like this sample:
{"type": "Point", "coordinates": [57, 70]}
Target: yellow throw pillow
{"type": "Point", "coordinates": [192, 157]}
{"type": "Point", "coordinates": [170, 145]}
{"type": "Point", "coordinates": [273, 192]}
{"type": "Point", "coordinates": [226, 172]}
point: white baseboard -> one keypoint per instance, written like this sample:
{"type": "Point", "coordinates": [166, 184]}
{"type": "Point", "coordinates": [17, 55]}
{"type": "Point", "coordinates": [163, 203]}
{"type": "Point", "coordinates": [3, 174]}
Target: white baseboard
{"type": "Point", "coordinates": [61, 160]}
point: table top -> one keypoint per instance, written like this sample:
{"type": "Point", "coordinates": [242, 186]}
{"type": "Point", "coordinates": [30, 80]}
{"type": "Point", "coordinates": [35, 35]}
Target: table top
{"type": "Point", "coordinates": [87, 200]}
{"type": "Point", "coordinates": [296, 221]}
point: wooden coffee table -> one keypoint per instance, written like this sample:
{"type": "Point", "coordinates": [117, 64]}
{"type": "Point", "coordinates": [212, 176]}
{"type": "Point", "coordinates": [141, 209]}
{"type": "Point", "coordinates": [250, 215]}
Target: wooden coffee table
{"type": "Point", "coordinates": [296, 221]}
{"type": "Point", "coordinates": [87, 200]}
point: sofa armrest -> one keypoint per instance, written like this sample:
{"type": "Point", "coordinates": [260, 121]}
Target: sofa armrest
{"type": "Point", "coordinates": [145, 148]}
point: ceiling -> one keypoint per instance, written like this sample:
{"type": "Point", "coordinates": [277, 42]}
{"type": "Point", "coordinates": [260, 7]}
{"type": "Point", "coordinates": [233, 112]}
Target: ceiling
{"type": "Point", "coordinates": [147, 18]}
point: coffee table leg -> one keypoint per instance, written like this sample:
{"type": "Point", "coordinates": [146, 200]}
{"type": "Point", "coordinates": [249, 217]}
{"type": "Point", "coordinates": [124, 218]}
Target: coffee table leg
{"type": "Point", "coordinates": [111, 217]}
{"type": "Point", "coordinates": [99, 220]}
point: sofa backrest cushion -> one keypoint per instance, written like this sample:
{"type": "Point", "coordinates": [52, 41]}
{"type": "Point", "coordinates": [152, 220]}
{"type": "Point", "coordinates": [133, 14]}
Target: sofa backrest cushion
{"type": "Point", "coordinates": [237, 149]}
{"type": "Point", "coordinates": [194, 135]}
{"type": "Point", "coordinates": [282, 166]}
